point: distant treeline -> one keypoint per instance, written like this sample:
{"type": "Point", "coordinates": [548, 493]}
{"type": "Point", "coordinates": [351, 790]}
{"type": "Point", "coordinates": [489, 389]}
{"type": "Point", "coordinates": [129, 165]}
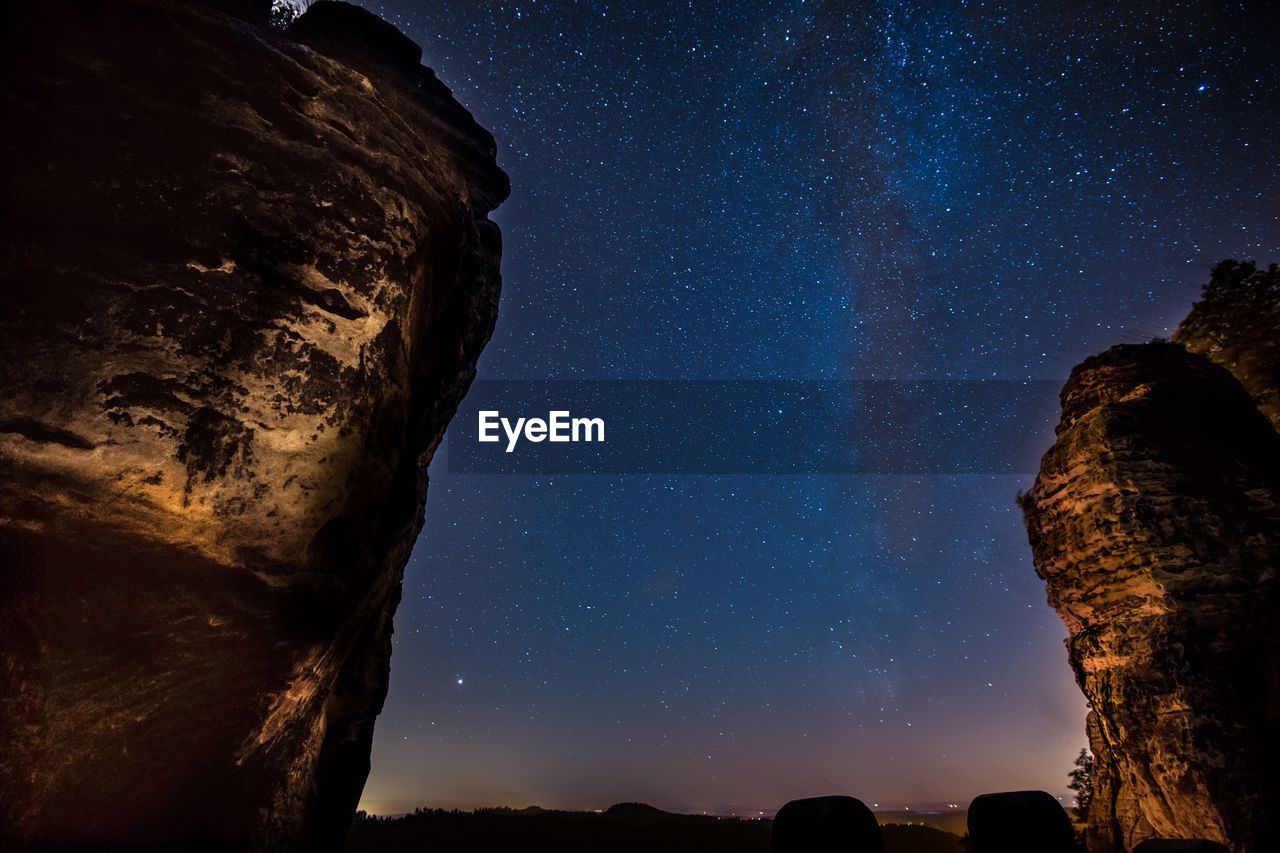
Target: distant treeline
{"type": "Point", "coordinates": [625, 828]}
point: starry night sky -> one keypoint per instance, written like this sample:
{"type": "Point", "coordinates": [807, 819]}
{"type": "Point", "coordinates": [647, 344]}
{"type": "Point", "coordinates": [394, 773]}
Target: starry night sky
{"type": "Point", "coordinates": [801, 190]}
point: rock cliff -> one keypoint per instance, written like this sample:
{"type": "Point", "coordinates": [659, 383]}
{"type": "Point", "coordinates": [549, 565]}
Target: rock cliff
{"type": "Point", "coordinates": [247, 275]}
{"type": "Point", "coordinates": [1155, 522]}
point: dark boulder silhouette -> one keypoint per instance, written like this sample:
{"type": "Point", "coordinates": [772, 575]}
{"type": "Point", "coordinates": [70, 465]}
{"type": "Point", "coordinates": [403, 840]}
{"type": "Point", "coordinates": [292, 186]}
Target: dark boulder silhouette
{"type": "Point", "coordinates": [1019, 822]}
{"type": "Point", "coordinates": [820, 824]}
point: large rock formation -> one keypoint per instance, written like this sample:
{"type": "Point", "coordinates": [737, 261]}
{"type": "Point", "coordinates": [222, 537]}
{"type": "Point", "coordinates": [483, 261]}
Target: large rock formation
{"type": "Point", "coordinates": [1155, 521]}
{"type": "Point", "coordinates": [246, 277]}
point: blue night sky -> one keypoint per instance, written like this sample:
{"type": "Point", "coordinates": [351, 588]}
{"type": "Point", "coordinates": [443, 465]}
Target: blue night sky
{"type": "Point", "coordinates": [801, 190]}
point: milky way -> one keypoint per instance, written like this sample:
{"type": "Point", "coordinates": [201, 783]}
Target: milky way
{"type": "Point", "coordinates": [805, 191]}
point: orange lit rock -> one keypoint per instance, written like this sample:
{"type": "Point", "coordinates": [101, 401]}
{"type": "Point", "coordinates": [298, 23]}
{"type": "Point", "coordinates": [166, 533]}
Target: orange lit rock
{"type": "Point", "coordinates": [1155, 522]}
{"type": "Point", "coordinates": [246, 282]}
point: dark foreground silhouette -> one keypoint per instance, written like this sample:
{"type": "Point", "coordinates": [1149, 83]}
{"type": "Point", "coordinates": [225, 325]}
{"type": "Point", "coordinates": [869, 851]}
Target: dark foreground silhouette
{"type": "Point", "coordinates": [623, 828]}
{"type": "Point", "coordinates": [821, 824]}
{"type": "Point", "coordinates": [1018, 822]}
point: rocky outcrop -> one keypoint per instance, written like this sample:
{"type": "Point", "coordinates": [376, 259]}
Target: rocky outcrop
{"type": "Point", "coordinates": [1155, 522]}
{"type": "Point", "coordinates": [246, 278]}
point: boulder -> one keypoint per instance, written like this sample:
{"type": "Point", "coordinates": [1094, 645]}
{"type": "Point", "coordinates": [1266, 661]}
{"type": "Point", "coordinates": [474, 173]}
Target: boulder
{"type": "Point", "coordinates": [1018, 822]}
{"type": "Point", "coordinates": [246, 282]}
{"type": "Point", "coordinates": [826, 825]}
{"type": "Point", "coordinates": [1155, 523]}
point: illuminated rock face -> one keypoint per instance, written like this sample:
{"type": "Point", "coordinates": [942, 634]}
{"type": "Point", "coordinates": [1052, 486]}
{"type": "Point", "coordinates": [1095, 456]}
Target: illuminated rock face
{"type": "Point", "coordinates": [1155, 521]}
{"type": "Point", "coordinates": [246, 282]}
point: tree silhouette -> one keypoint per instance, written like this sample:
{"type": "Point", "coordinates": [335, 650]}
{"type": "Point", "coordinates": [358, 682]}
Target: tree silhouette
{"type": "Point", "coordinates": [1082, 782]}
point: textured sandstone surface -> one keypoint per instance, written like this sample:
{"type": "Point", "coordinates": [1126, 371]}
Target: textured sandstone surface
{"type": "Point", "coordinates": [246, 279]}
{"type": "Point", "coordinates": [1155, 521]}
